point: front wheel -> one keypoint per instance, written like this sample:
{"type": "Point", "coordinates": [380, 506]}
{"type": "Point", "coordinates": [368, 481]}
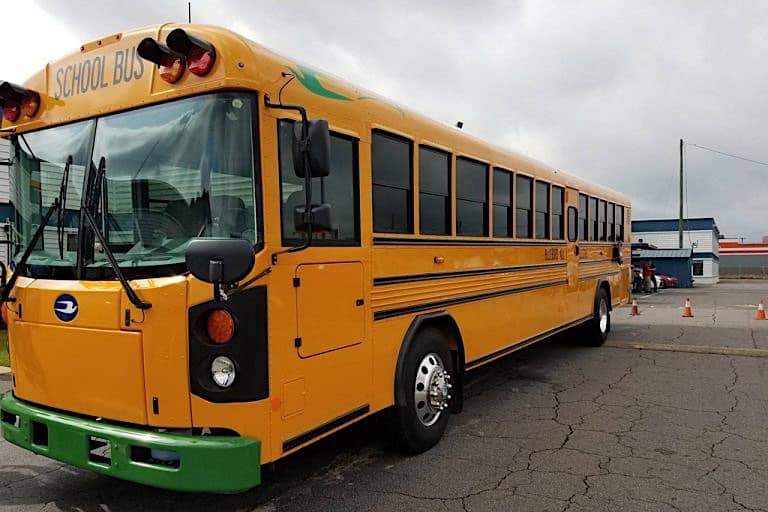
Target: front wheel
{"type": "Point", "coordinates": [426, 381]}
{"type": "Point", "coordinates": [597, 328]}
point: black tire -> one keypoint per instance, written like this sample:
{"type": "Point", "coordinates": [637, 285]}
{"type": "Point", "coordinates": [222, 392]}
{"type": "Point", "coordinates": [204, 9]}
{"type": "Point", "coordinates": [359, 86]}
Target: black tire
{"type": "Point", "coordinates": [662, 285]}
{"type": "Point", "coordinates": [411, 433]}
{"type": "Point", "coordinates": [596, 331]}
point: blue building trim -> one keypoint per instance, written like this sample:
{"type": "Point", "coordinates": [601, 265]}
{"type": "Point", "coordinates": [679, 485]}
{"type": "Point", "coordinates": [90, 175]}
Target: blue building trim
{"type": "Point", "coordinates": [658, 225]}
{"type": "Point", "coordinates": [706, 255]}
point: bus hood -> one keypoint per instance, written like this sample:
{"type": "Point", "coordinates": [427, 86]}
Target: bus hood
{"type": "Point", "coordinates": [81, 346]}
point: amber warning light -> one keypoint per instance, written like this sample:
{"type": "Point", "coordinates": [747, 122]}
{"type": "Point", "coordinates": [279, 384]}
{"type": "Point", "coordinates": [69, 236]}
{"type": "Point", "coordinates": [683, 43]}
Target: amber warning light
{"type": "Point", "coordinates": [181, 51]}
{"type": "Point", "coordinates": [16, 100]}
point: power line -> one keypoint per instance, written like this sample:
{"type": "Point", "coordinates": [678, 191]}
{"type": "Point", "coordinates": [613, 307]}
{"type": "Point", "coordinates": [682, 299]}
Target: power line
{"type": "Point", "coordinates": [727, 154]}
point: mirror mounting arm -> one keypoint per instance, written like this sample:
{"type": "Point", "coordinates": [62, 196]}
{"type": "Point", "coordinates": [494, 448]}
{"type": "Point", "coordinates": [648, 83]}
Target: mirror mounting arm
{"type": "Point", "coordinates": [304, 149]}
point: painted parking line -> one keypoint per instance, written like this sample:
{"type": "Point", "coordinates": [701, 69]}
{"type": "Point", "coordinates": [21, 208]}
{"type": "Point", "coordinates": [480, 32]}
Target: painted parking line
{"type": "Point", "coordinates": [695, 349]}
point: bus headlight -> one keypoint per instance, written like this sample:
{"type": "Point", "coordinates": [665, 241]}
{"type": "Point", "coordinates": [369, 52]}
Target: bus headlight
{"type": "Point", "coordinates": [223, 371]}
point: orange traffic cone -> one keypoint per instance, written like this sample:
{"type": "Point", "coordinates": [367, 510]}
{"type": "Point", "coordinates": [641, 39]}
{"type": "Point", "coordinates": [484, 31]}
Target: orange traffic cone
{"type": "Point", "coordinates": [760, 311]}
{"type": "Point", "coordinates": [687, 311]}
{"type": "Point", "coordinates": [634, 311]}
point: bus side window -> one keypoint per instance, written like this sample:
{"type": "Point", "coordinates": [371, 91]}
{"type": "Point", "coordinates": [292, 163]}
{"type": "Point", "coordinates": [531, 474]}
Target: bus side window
{"type": "Point", "coordinates": [523, 203]}
{"type": "Point", "coordinates": [542, 210]}
{"type": "Point", "coordinates": [339, 190]}
{"type": "Point", "coordinates": [583, 223]}
{"type": "Point", "coordinates": [558, 197]}
{"type": "Point", "coordinates": [592, 218]}
{"type": "Point", "coordinates": [392, 174]}
{"type": "Point", "coordinates": [471, 198]}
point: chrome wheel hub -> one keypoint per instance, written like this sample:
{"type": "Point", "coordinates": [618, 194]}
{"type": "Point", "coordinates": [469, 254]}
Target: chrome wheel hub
{"type": "Point", "coordinates": [431, 391]}
{"type": "Point", "coordinates": [603, 312]}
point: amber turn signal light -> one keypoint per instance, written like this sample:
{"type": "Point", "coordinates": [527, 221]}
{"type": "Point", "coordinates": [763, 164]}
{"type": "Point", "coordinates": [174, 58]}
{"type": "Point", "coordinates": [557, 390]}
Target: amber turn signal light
{"type": "Point", "coordinates": [220, 326]}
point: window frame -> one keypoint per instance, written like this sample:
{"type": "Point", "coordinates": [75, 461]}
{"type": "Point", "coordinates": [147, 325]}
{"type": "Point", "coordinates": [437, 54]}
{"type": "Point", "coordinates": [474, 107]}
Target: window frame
{"type": "Point", "coordinates": [486, 196]}
{"type": "Point", "coordinates": [510, 207]}
{"type": "Point", "coordinates": [411, 207]}
{"type": "Point", "coordinates": [449, 202]}
{"type": "Point", "coordinates": [561, 235]}
{"type": "Point", "coordinates": [573, 235]}
{"type": "Point", "coordinates": [547, 213]}
{"type": "Point", "coordinates": [583, 228]}
{"type": "Point", "coordinates": [610, 221]}
{"type": "Point", "coordinates": [620, 225]}
{"type": "Point", "coordinates": [320, 242]}
{"type": "Point", "coordinates": [592, 203]}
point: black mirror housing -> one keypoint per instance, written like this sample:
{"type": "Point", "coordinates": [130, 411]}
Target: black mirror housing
{"type": "Point", "coordinates": [318, 145]}
{"type": "Point", "coordinates": [319, 216]}
{"type": "Point", "coordinates": [221, 261]}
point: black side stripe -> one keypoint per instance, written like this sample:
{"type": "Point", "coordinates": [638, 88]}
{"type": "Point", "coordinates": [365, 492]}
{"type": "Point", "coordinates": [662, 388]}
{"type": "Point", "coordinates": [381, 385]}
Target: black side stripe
{"type": "Point", "coordinates": [389, 313]}
{"type": "Point", "coordinates": [379, 281]}
{"type": "Point", "coordinates": [522, 344]}
{"type": "Point", "coordinates": [293, 442]}
{"type": "Point", "coordinates": [456, 241]}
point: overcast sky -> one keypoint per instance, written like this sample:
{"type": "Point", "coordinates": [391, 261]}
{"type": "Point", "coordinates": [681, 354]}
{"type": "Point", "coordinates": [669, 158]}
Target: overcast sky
{"type": "Point", "coordinates": [601, 89]}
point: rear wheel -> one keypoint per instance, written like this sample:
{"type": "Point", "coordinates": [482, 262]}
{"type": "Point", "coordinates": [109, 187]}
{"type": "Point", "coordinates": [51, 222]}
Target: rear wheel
{"type": "Point", "coordinates": [426, 381]}
{"type": "Point", "coordinates": [596, 331]}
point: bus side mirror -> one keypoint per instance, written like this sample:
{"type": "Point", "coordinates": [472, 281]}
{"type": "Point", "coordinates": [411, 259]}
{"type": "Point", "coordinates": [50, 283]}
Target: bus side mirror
{"type": "Point", "coordinates": [317, 144]}
{"type": "Point", "coordinates": [220, 261]}
{"type": "Point", "coordinates": [319, 216]}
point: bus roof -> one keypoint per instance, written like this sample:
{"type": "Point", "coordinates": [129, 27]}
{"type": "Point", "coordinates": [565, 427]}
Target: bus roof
{"type": "Point", "coordinates": [107, 75]}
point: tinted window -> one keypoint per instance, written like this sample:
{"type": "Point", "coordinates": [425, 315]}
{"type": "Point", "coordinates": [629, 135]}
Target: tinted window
{"type": "Point", "coordinates": [523, 195]}
{"type": "Point", "coordinates": [434, 192]}
{"type": "Point", "coordinates": [601, 220]}
{"type": "Point", "coordinates": [542, 210]}
{"type": "Point", "coordinates": [502, 203]}
{"type": "Point", "coordinates": [392, 170]}
{"type": "Point", "coordinates": [339, 190]}
{"type": "Point", "coordinates": [592, 218]}
{"type": "Point", "coordinates": [619, 222]}
{"type": "Point", "coordinates": [471, 198]}
{"type": "Point", "coordinates": [583, 226]}
{"type": "Point", "coordinates": [572, 224]}
{"type": "Point", "coordinates": [611, 229]}
{"type": "Point", "coordinates": [558, 229]}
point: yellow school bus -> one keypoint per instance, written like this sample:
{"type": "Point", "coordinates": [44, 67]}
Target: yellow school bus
{"type": "Point", "coordinates": [222, 255]}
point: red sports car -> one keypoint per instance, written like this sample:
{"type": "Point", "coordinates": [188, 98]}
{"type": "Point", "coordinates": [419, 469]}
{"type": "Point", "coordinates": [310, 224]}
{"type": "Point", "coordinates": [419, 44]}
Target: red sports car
{"type": "Point", "coordinates": [663, 281]}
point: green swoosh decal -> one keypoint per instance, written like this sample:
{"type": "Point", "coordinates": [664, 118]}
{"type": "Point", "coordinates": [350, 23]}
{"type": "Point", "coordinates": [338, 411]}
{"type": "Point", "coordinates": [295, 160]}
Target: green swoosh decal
{"type": "Point", "coordinates": [309, 79]}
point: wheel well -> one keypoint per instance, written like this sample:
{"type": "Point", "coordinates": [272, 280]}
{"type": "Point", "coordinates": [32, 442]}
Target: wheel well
{"type": "Point", "coordinates": [607, 287]}
{"type": "Point", "coordinates": [445, 323]}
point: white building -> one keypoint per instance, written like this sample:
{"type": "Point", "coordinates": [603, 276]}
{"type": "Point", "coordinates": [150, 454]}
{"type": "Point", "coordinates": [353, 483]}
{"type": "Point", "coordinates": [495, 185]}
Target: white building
{"type": "Point", "coordinates": [700, 234]}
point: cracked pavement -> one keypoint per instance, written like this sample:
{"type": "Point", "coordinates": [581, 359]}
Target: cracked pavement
{"type": "Point", "coordinates": [555, 427]}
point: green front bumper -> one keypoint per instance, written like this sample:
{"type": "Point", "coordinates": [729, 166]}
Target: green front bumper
{"type": "Point", "coordinates": [205, 464]}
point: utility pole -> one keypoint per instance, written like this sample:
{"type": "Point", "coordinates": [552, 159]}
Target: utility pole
{"type": "Point", "coordinates": [189, 12]}
{"type": "Point", "coordinates": [680, 224]}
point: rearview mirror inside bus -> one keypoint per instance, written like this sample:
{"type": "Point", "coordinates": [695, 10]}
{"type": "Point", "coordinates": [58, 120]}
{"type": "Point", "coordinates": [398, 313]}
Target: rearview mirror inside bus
{"type": "Point", "coordinates": [221, 261]}
{"type": "Point", "coordinates": [318, 146]}
{"type": "Point", "coordinates": [319, 215]}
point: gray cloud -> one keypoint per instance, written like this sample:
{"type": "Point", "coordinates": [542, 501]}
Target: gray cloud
{"type": "Point", "coordinates": [601, 89]}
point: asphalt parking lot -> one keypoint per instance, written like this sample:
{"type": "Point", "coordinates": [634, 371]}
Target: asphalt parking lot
{"type": "Point", "coordinates": [670, 415]}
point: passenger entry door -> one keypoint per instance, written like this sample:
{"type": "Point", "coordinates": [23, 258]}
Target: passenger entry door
{"type": "Point", "coordinates": [325, 378]}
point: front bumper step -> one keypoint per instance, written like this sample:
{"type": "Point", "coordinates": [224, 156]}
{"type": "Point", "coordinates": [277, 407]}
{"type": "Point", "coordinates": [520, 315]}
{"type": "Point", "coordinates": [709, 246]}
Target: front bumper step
{"type": "Point", "coordinates": [159, 459]}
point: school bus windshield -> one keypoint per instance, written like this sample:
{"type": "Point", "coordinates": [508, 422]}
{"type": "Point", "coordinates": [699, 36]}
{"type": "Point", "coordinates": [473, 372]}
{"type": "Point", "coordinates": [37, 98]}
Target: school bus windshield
{"type": "Point", "coordinates": [172, 172]}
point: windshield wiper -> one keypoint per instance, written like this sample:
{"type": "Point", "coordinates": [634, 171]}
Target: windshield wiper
{"type": "Point", "coordinates": [57, 205]}
{"type": "Point", "coordinates": [90, 204]}
{"type": "Point", "coordinates": [22, 265]}
{"type": "Point", "coordinates": [62, 209]}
